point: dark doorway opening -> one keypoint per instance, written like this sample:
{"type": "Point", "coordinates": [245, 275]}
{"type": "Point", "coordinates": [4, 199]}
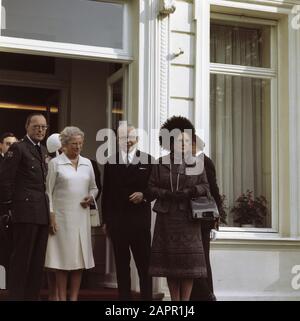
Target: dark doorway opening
{"type": "Point", "coordinates": [17, 102]}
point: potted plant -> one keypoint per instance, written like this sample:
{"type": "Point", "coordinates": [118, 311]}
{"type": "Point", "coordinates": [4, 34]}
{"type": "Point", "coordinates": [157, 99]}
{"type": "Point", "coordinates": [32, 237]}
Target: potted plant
{"type": "Point", "coordinates": [249, 210]}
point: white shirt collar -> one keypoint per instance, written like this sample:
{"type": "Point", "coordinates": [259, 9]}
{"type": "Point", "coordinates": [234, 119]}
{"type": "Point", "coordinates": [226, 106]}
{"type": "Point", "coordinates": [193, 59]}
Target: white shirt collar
{"type": "Point", "coordinates": [63, 159]}
{"type": "Point", "coordinates": [33, 141]}
{"type": "Point", "coordinates": [130, 156]}
{"type": "Point", "coordinates": [199, 153]}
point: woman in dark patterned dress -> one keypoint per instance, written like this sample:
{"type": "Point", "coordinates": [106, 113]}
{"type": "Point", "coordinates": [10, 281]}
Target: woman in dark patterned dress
{"type": "Point", "coordinates": [177, 251]}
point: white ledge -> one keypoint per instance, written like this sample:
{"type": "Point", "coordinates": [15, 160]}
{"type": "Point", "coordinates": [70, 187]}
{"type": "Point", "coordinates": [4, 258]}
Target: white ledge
{"type": "Point", "coordinates": [253, 239]}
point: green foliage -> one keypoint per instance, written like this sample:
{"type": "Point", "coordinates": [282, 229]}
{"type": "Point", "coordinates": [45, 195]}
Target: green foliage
{"type": "Point", "coordinates": [248, 209]}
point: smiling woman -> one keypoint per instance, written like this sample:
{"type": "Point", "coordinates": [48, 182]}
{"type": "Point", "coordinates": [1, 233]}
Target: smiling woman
{"type": "Point", "coordinates": [70, 193]}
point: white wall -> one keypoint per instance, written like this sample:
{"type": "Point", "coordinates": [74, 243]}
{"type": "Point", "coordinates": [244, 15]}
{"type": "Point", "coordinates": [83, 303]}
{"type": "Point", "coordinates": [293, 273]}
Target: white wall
{"type": "Point", "coordinates": [254, 272]}
{"type": "Point", "coordinates": [182, 36]}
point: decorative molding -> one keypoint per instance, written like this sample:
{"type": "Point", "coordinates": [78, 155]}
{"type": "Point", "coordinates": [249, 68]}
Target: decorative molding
{"type": "Point", "coordinates": [167, 7]}
{"type": "Point", "coordinates": [276, 3]}
{"type": "Point", "coordinates": [164, 69]}
{"type": "Point", "coordinates": [236, 70]}
{"type": "Point", "coordinates": [266, 7]}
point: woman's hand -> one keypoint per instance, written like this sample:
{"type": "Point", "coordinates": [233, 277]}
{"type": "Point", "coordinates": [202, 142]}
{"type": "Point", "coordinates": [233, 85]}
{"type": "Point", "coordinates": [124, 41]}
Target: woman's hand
{"type": "Point", "coordinates": [53, 225]}
{"type": "Point", "coordinates": [87, 201]}
{"type": "Point", "coordinates": [136, 197]}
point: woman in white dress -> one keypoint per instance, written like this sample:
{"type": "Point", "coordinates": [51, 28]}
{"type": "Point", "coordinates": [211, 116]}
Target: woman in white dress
{"type": "Point", "coordinates": [71, 187]}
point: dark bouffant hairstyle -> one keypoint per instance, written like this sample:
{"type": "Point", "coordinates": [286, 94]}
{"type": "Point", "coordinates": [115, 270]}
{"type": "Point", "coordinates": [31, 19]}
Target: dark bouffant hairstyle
{"type": "Point", "coordinates": [175, 123]}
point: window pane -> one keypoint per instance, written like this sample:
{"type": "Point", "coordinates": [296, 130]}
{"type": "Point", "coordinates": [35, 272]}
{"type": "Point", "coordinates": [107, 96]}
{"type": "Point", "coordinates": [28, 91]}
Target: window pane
{"type": "Point", "coordinates": [239, 45]}
{"type": "Point", "coordinates": [241, 144]}
{"type": "Point", "coordinates": [70, 21]}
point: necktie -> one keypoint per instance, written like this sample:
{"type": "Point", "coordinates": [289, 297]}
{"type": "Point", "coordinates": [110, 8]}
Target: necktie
{"type": "Point", "coordinates": [39, 149]}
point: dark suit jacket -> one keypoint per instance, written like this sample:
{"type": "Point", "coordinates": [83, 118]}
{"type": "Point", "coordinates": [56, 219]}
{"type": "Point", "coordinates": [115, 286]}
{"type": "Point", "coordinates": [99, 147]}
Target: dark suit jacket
{"type": "Point", "coordinates": [118, 183]}
{"type": "Point", "coordinates": [212, 180]}
{"type": "Point", "coordinates": [22, 181]}
{"type": "Point", "coordinates": [213, 187]}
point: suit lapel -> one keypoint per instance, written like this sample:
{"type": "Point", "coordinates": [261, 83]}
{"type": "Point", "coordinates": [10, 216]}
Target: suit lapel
{"type": "Point", "coordinates": [32, 149]}
{"type": "Point", "coordinates": [134, 164]}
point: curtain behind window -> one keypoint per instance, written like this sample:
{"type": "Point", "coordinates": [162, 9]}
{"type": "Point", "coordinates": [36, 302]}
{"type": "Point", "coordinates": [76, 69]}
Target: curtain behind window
{"type": "Point", "coordinates": [240, 128]}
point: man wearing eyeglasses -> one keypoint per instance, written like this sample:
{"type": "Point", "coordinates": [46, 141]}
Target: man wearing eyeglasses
{"type": "Point", "coordinates": [126, 213]}
{"type": "Point", "coordinates": [22, 184]}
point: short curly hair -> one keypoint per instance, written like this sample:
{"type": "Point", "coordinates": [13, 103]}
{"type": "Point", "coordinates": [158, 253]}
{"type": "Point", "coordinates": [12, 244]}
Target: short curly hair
{"type": "Point", "coordinates": [174, 126]}
{"type": "Point", "coordinates": [69, 132]}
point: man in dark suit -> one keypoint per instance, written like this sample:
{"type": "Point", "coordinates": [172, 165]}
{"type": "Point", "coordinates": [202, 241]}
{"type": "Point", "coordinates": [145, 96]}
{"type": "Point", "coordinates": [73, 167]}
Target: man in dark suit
{"type": "Point", "coordinates": [6, 140]}
{"type": "Point", "coordinates": [203, 288]}
{"type": "Point", "coordinates": [126, 213]}
{"type": "Point", "coordinates": [22, 182]}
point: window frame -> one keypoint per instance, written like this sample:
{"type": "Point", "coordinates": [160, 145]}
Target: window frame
{"type": "Point", "coordinates": [75, 50]}
{"type": "Point", "coordinates": [271, 74]}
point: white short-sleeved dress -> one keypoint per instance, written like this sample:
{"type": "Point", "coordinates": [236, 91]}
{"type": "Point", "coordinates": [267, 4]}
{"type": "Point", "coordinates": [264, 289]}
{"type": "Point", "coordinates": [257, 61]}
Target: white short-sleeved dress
{"type": "Point", "coordinates": [71, 247]}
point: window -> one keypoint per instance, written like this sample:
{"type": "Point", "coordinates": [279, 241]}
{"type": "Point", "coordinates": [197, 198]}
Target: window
{"type": "Point", "coordinates": [95, 28]}
{"type": "Point", "coordinates": [242, 82]}
{"type": "Point", "coordinates": [86, 22]}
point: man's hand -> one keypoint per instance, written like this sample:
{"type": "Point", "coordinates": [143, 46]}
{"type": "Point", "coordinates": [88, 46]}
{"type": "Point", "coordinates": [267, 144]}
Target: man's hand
{"type": "Point", "coordinates": [136, 197]}
{"type": "Point", "coordinates": [53, 225]}
{"type": "Point", "coordinates": [87, 201]}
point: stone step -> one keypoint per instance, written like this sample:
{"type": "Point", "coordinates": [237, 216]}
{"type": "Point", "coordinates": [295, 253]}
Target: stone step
{"type": "Point", "coordinates": [102, 294]}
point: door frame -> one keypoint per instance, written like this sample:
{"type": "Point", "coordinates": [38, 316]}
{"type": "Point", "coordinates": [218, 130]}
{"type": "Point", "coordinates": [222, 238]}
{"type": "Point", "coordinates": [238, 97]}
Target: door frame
{"type": "Point", "coordinates": [122, 73]}
{"type": "Point", "coordinates": [35, 80]}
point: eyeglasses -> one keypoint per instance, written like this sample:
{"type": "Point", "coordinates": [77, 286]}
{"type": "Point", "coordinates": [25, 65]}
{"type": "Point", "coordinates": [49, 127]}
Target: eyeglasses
{"type": "Point", "coordinates": [38, 127]}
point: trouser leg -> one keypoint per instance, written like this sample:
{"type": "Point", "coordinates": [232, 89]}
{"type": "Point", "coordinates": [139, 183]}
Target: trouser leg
{"type": "Point", "coordinates": [141, 249]}
{"type": "Point", "coordinates": [122, 259]}
{"type": "Point", "coordinates": [27, 261]}
{"type": "Point", "coordinates": [36, 268]}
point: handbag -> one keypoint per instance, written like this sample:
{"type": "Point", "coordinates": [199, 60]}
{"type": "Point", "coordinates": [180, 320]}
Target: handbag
{"type": "Point", "coordinates": [204, 208]}
{"type": "Point", "coordinates": [94, 214]}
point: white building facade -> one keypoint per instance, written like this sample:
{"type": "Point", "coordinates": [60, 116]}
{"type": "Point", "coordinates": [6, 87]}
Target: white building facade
{"type": "Point", "coordinates": [232, 67]}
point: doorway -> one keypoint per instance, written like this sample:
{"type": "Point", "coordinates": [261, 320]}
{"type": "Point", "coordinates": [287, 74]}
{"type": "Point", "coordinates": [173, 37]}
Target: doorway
{"type": "Point", "coordinates": [17, 102]}
{"type": "Point", "coordinates": [88, 94]}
